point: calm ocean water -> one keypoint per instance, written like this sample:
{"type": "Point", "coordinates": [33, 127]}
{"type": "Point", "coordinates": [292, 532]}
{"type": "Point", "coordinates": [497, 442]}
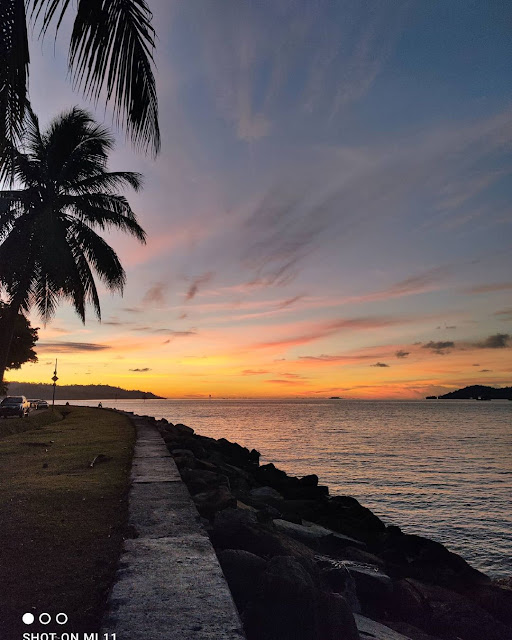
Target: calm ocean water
{"type": "Point", "coordinates": [442, 469]}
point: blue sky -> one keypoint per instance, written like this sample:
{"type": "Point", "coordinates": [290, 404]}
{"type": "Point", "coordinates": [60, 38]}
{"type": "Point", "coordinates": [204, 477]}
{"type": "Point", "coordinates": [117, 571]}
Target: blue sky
{"type": "Point", "coordinates": [334, 181]}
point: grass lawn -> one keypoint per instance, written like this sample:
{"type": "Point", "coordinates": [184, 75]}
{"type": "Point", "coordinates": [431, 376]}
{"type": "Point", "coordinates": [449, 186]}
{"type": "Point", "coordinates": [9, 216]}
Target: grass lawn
{"type": "Point", "coordinates": [61, 521]}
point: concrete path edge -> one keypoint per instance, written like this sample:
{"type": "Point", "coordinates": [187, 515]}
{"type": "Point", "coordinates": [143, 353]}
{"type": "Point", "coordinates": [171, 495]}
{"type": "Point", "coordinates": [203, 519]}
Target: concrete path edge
{"type": "Point", "coordinates": [169, 584]}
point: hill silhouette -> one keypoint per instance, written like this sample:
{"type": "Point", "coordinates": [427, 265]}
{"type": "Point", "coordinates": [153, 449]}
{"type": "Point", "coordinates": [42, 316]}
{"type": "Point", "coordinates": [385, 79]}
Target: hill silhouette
{"type": "Point", "coordinates": [479, 391]}
{"type": "Point", "coordinates": [77, 391]}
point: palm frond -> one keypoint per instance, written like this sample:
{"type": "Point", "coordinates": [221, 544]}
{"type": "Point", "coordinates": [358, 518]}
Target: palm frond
{"type": "Point", "coordinates": [14, 57]}
{"type": "Point", "coordinates": [50, 10]}
{"type": "Point", "coordinates": [99, 255]}
{"type": "Point", "coordinates": [111, 50]}
{"type": "Point", "coordinates": [76, 147]}
{"type": "Point", "coordinates": [105, 211]}
{"type": "Point", "coordinates": [106, 182]}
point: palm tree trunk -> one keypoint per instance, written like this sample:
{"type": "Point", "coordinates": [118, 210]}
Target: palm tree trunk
{"type": "Point", "coordinates": [7, 325]}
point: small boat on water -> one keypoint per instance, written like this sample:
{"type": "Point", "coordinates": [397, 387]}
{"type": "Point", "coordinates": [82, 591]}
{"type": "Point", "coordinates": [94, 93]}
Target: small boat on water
{"type": "Point", "coordinates": [335, 398]}
{"type": "Point", "coordinates": [483, 399]}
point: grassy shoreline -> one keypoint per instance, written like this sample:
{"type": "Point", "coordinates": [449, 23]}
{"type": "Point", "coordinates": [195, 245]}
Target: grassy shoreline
{"type": "Point", "coordinates": [62, 521]}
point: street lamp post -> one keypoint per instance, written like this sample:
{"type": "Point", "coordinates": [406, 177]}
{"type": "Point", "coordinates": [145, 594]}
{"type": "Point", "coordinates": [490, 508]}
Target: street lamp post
{"type": "Point", "coordinates": [54, 383]}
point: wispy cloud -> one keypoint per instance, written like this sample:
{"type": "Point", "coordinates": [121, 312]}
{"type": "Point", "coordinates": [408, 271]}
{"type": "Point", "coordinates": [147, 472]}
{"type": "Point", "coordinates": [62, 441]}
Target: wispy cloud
{"type": "Point", "coordinates": [440, 347]}
{"type": "Point", "coordinates": [196, 284]}
{"type": "Point", "coordinates": [489, 288]}
{"type": "Point", "coordinates": [254, 372]}
{"type": "Point", "coordinates": [70, 347]}
{"type": "Point", "coordinates": [325, 329]}
{"type": "Point", "coordinates": [401, 353]}
{"type": "Point", "coordinates": [250, 55]}
{"type": "Point", "coordinates": [496, 341]}
{"type": "Point", "coordinates": [380, 364]}
{"type": "Point", "coordinates": [155, 294]}
{"type": "Point", "coordinates": [180, 334]}
{"type": "Point", "coordinates": [504, 314]}
{"type": "Point", "coordinates": [143, 370]}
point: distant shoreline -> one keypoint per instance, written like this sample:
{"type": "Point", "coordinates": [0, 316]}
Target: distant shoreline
{"type": "Point", "coordinates": [78, 392]}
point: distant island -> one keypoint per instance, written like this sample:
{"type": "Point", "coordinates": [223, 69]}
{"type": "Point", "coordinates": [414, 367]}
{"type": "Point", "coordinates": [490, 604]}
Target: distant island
{"type": "Point", "coordinates": [477, 392]}
{"type": "Point", "coordinates": [77, 392]}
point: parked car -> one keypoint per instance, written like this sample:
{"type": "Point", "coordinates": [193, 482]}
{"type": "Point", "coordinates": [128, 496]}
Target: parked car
{"type": "Point", "coordinates": [14, 406]}
{"type": "Point", "coordinates": [38, 404]}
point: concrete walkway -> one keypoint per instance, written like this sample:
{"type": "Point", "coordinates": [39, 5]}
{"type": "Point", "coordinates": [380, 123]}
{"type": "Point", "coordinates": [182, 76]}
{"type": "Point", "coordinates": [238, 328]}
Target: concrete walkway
{"type": "Point", "coordinates": [169, 584]}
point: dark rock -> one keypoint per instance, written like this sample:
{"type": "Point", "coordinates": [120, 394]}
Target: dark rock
{"type": "Point", "coordinates": [254, 456]}
{"type": "Point", "coordinates": [240, 529]}
{"type": "Point", "coordinates": [338, 580]}
{"type": "Point", "coordinates": [335, 618]}
{"type": "Point", "coordinates": [235, 454]}
{"type": "Point", "coordinates": [287, 575]}
{"type": "Point", "coordinates": [294, 491]}
{"type": "Point", "coordinates": [207, 466]}
{"type": "Point", "coordinates": [374, 588]}
{"type": "Point", "coordinates": [495, 597]}
{"type": "Point", "coordinates": [216, 499]}
{"type": "Point", "coordinates": [269, 475]}
{"type": "Point", "coordinates": [345, 515]}
{"type": "Point", "coordinates": [184, 458]}
{"type": "Point", "coordinates": [243, 571]}
{"type": "Point", "coordinates": [309, 481]}
{"type": "Point", "coordinates": [198, 480]}
{"type": "Point", "coordinates": [292, 607]}
{"type": "Point", "coordinates": [183, 429]}
{"type": "Point", "coordinates": [410, 631]}
{"type": "Point", "coordinates": [265, 495]}
{"type": "Point", "coordinates": [317, 537]}
{"type": "Point", "coordinates": [302, 509]}
{"type": "Point", "coordinates": [445, 613]}
{"type": "Point", "coordinates": [428, 561]}
{"type": "Point", "coordinates": [360, 555]}
{"type": "Point", "coordinates": [265, 515]}
{"type": "Point", "coordinates": [241, 481]}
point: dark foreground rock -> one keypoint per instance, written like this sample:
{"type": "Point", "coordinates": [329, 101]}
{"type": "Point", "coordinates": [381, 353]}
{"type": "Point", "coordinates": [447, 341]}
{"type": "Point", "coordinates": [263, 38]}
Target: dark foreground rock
{"type": "Point", "coordinates": [303, 565]}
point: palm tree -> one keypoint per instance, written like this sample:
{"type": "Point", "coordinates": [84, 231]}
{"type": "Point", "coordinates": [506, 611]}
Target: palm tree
{"type": "Point", "coordinates": [49, 247]}
{"type": "Point", "coordinates": [110, 55]}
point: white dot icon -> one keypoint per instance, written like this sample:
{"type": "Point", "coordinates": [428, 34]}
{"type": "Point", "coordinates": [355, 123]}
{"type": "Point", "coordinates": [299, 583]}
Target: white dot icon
{"type": "Point", "coordinates": [45, 618]}
{"type": "Point", "coordinates": [28, 618]}
{"type": "Point", "coordinates": [61, 618]}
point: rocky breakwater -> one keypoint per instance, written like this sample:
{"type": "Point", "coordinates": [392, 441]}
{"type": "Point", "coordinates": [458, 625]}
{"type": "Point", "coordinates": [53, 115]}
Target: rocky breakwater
{"type": "Point", "coordinates": [303, 565]}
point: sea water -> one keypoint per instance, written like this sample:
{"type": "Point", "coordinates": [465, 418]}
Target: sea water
{"type": "Point", "coordinates": [438, 468]}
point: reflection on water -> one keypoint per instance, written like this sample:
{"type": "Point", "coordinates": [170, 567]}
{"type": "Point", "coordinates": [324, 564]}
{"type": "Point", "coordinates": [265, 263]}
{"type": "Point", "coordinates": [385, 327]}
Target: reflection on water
{"type": "Point", "coordinates": [440, 469]}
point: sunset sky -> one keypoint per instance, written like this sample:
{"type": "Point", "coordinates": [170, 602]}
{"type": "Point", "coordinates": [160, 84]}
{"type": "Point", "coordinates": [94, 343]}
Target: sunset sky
{"type": "Point", "coordinates": [331, 211]}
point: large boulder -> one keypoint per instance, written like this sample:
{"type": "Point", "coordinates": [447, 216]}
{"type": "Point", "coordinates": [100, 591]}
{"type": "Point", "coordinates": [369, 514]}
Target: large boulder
{"type": "Point", "coordinates": [292, 606]}
{"type": "Point", "coordinates": [267, 495]}
{"type": "Point", "coordinates": [198, 480]}
{"type": "Point", "coordinates": [345, 515]}
{"type": "Point", "coordinates": [240, 529]}
{"type": "Point", "coordinates": [215, 499]}
{"type": "Point", "coordinates": [495, 597]}
{"type": "Point", "coordinates": [374, 588]}
{"type": "Point", "coordinates": [184, 458]}
{"type": "Point", "coordinates": [317, 537]}
{"type": "Point", "coordinates": [235, 454]}
{"type": "Point", "coordinates": [445, 613]}
{"type": "Point", "coordinates": [243, 571]}
{"type": "Point", "coordinates": [428, 561]}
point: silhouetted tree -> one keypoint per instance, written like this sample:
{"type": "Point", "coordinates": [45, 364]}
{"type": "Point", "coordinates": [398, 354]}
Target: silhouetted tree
{"type": "Point", "coordinates": [49, 249]}
{"type": "Point", "coordinates": [110, 55]}
{"type": "Point", "coordinates": [22, 344]}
